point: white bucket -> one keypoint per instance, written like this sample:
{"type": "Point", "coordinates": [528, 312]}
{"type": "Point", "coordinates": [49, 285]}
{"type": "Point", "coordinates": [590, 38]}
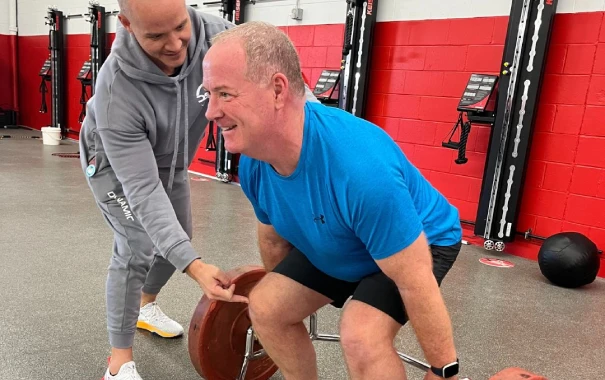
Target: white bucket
{"type": "Point", "coordinates": [51, 135]}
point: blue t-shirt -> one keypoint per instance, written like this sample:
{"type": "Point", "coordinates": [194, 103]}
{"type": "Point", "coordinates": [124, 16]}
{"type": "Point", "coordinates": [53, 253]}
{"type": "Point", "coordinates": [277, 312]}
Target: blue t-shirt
{"type": "Point", "coordinates": [354, 197]}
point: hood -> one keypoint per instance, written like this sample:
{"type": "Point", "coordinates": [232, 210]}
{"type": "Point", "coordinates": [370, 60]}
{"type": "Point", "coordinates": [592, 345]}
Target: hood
{"type": "Point", "coordinates": [137, 65]}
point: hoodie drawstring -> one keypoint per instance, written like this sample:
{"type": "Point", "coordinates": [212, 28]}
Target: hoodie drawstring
{"type": "Point", "coordinates": [179, 102]}
{"type": "Point", "coordinates": [186, 152]}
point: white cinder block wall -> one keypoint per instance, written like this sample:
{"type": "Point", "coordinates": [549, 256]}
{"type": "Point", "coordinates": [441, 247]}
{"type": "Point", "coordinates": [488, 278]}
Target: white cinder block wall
{"type": "Point", "coordinates": [4, 17]}
{"type": "Point", "coordinates": [32, 12]}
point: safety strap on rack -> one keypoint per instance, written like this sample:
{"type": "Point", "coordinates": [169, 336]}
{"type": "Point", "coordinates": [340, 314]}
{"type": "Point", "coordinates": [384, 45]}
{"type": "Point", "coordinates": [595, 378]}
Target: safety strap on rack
{"type": "Point", "coordinates": [43, 90]}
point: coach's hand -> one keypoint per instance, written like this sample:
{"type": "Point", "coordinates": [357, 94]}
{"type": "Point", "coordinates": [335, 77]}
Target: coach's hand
{"type": "Point", "coordinates": [215, 284]}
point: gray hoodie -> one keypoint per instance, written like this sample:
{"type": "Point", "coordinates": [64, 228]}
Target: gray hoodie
{"type": "Point", "coordinates": [141, 131]}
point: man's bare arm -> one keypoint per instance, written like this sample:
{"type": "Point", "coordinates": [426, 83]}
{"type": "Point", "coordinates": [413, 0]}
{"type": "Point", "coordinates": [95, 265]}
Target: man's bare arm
{"type": "Point", "coordinates": [411, 269]}
{"type": "Point", "coordinates": [273, 248]}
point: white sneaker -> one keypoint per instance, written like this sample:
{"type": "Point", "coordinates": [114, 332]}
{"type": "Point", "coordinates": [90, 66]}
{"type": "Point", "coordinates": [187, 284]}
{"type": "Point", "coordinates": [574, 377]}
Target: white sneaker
{"type": "Point", "coordinates": [153, 319]}
{"type": "Point", "coordinates": [128, 371]}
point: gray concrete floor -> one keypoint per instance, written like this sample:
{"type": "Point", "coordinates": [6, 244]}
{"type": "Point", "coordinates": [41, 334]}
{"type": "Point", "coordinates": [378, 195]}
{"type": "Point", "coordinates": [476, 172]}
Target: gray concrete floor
{"type": "Point", "coordinates": [54, 251]}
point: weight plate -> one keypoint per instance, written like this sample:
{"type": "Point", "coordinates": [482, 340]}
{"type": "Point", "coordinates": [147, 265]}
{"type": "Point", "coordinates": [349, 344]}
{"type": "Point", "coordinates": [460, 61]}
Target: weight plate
{"type": "Point", "coordinates": [217, 334]}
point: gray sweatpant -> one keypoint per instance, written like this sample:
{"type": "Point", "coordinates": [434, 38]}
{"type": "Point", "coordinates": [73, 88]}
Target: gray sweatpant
{"type": "Point", "coordinates": [135, 265]}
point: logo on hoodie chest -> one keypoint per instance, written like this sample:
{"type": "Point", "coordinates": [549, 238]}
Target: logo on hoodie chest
{"type": "Point", "coordinates": [201, 94]}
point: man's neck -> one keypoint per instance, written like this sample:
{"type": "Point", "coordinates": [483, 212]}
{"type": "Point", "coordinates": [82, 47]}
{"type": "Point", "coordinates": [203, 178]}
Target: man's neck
{"type": "Point", "coordinates": [285, 149]}
{"type": "Point", "coordinates": [174, 72]}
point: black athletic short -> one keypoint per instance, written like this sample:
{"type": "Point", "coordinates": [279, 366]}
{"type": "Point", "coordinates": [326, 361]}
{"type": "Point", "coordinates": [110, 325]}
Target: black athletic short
{"type": "Point", "coordinates": [376, 290]}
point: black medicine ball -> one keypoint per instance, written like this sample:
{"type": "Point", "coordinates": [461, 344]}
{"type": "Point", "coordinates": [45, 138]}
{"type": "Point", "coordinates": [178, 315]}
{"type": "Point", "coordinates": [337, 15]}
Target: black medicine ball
{"type": "Point", "coordinates": [569, 259]}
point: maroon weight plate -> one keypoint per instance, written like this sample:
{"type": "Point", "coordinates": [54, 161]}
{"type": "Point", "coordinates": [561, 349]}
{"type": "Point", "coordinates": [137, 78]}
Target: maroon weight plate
{"type": "Point", "coordinates": [217, 334]}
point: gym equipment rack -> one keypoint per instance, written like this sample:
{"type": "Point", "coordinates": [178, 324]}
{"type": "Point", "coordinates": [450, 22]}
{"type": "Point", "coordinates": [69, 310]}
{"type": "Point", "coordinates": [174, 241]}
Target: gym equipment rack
{"type": "Point", "coordinates": [356, 55]}
{"type": "Point", "coordinates": [56, 43]}
{"type": "Point", "coordinates": [528, 37]}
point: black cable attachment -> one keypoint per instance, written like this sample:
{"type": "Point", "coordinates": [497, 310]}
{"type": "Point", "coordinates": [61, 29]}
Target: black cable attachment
{"type": "Point", "coordinates": [466, 129]}
{"type": "Point", "coordinates": [460, 146]}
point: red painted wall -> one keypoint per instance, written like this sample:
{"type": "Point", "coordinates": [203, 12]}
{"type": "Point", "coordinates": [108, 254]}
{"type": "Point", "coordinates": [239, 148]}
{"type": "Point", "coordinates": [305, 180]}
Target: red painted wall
{"type": "Point", "coordinates": [419, 71]}
{"type": "Point", "coordinates": [6, 73]}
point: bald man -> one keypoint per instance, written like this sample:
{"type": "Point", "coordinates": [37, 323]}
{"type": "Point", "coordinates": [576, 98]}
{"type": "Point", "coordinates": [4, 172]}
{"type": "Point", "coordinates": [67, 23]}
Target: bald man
{"type": "Point", "coordinates": [142, 129]}
{"type": "Point", "coordinates": [344, 218]}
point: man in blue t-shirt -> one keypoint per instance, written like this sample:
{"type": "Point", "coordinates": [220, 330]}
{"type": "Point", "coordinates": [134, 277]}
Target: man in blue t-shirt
{"type": "Point", "coordinates": [342, 213]}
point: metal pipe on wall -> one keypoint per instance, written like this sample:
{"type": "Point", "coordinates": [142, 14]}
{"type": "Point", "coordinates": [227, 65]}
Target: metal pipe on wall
{"type": "Point", "coordinates": [13, 32]}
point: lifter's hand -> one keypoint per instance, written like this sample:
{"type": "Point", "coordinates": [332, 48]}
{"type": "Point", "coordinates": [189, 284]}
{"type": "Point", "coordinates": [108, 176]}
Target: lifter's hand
{"type": "Point", "coordinates": [215, 284]}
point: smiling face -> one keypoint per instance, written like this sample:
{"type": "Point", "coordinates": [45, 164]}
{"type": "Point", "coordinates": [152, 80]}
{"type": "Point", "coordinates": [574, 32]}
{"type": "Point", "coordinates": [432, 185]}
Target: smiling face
{"type": "Point", "coordinates": [162, 28]}
{"type": "Point", "coordinates": [243, 109]}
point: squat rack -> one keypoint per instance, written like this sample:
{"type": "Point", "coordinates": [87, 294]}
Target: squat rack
{"type": "Point", "coordinates": [90, 69]}
{"type": "Point", "coordinates": [53, 70]}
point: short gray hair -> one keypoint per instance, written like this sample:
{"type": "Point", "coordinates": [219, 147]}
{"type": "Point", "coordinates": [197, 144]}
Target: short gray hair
{"type": "Point", "coordinates": [268, 51]}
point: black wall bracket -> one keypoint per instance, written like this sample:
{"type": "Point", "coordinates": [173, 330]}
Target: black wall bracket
{"type": "Point", "coordinates": [478, 102]}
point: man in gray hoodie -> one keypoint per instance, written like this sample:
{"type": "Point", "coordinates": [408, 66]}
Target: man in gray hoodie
{"type": "Point", "coordinates": [142, 129]}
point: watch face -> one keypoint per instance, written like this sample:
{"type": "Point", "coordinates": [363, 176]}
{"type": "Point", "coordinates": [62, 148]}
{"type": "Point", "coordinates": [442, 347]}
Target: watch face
{"type": "Point", "coordinates": [451, 370]}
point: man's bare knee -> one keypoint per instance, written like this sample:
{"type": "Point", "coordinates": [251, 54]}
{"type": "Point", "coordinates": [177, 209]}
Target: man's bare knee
{"type": "Point", "coordinates": [358, 344]}
{"type": "Point", "coordinates": [280, 301]}
{"type": "Point", "coordinates": [362, 344]}
{"type": "Point", "coordinates": [260, 307]}
{"type": "Point", "coordinates": [267, 306]}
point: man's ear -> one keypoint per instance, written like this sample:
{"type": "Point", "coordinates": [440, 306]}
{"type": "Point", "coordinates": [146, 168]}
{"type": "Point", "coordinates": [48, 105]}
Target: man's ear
{"type": "Point", "coordinates": [281, 87]}
{"type": "Point", "coordinates": [125, 22]}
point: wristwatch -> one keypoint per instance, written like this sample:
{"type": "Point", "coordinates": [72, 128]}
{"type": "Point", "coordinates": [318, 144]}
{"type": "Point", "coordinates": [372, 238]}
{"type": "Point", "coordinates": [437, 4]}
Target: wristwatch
{"type": "Point", "coordinates": [447, 370]}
